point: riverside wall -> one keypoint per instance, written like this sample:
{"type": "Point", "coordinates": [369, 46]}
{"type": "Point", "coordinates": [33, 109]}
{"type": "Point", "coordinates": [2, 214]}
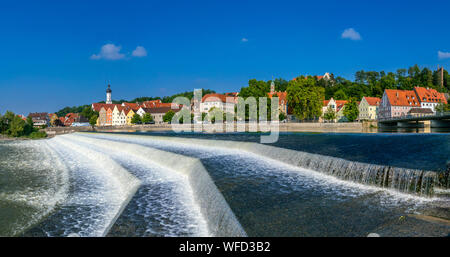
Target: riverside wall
{"type": "Point", "coordinates": [348, 127]}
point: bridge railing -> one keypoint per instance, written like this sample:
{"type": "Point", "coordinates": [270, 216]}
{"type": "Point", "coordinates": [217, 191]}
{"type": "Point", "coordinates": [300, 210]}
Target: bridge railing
{"type": "Point", "coordinates": [409, 116]}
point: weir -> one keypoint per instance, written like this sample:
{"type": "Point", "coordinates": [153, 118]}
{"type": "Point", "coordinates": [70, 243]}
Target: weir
{"type": "Point", "coordinates": [419, 182]}
{"type": "Point", "coordinates": [220, 218]}
{"type": "Point", "coordinates": [129, 184]}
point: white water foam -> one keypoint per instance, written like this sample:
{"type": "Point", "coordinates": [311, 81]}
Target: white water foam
{"type": "Point", "coordinates": [336, 187]}
{"type": "Point", "coordinates": [165, 204]}
{"type": "Point", "coordinates": [98, 190]}
{"type": "Point", "coordinates": [47, 182]}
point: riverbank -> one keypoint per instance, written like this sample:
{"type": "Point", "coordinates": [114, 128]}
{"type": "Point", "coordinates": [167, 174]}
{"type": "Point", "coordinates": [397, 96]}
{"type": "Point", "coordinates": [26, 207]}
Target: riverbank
{"type": "Point", "coordinates": [350, 127]}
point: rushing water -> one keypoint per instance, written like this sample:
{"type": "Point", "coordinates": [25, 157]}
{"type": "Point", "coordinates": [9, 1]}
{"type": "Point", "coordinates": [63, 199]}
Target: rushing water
{"type": "Point", "coordinates": [101, 184]}
{"type": "Point", "coordinates": [415, 151]}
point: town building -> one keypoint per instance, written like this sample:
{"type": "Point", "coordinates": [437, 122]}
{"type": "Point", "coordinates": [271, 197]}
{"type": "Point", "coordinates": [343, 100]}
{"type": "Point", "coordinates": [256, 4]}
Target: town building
{"type": "Point", "coordinates": [219, 101]}
{"type": "Point", "coordinates": [130, 113]}
{"type": "Point", "coordinates": [429, 97]}
{"type": "Point", "coordinates": [327, 77]}
{"type": "Point", "coordinates": [419, 112]}
{"type": "Point", "coordinates": [337, 106]}
{"type": "Point", "coordinates": [157, 113]}
{"type": "Point", "coordinates": [40, 118]}
{"type": "Point", "coordinates": [398, 103]}
{"type": "Point", "coordinates": [104, 113]}
{"type": "Point", "coordinates": [52, 117]}
{"type": "Point", "coordinates": [119, 118]}
{"type": "Point", "coordinates": [282, 98]}
{"type": "Point", "coordinates": [368, 108]}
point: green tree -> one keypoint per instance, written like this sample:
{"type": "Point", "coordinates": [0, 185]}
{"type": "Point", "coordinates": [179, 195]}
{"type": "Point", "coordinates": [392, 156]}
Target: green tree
{"type": "Point", "coordinates": [351, 111]}
{"type": "Point", "coordinates": [441, 107]}
{"type": "Point", "coordinates": [168, 116]}
{"type": "Point", "coordinates": [92, 120]}
{"type": "Point", "coordinates": [16, 127]}
{"type": "Point", "coordinates": [305, 98]}
{"type": "Point", "coordinates": [136, 119]}
{"type": "Point", "coordinates": [282, 116]}
{"type": "Point", "coordinates": [147, 118]}
{"type": "Point", "coordinates": [204, 115]}
{"type": "Point", "coordinates": [330, 114]}
{"type": "Point", "coordinates": [340, 95]}
{"type": "Point", "coordinates": [88, 113]}
{"type": "Point", "coordinates": [215, 113]}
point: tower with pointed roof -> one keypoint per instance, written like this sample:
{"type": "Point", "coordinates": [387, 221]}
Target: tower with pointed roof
{"type": "Point", "coordinates": [272, 86]}
{"type": "Point", "coordinates": [108, 94]}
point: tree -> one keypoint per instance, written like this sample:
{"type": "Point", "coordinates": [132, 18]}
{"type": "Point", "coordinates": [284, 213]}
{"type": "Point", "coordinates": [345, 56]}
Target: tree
{"type": "Point", "coordinates": [340, 95]}
{"type": "Point", "coordinates": [16, 127]}
{"type": "Point", "coordinates": [74, 109]}
{"type": "Point", "coordinates": [351, 111]}
{"type": "Point", "coordinates": [88, 113]}
{"type": "Point", "coordinates": [136, 119]}
{"type": "Point", "coordinates": [282, 116]}
{"type": "Point", "coordinates": [305, 98]}
{"type": "Point", "coordinates": [330, 114]}
{"type": "Point", "coordinates": [214, 113]}
{"type": "Point", "coordinates": [168, 116]}
{"type": "Point", "coordinates": [58, 123]}
{"type": "Point", "coordinates": [28, 128]}
{"type": "Point", "coordinates": [147, 118]}
{"type": "Point", "coordinates": [204, 115]}
{"type": "Point", "coordinates": [441, 107]}
{"type": "Point", "coordinates": [92, 120]}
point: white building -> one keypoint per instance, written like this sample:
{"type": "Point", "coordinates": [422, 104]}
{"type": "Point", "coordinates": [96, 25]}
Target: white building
{"type": "Point", "coordinates": [222, 102]}
{"type": "Point", "coordinates": [119, 118]}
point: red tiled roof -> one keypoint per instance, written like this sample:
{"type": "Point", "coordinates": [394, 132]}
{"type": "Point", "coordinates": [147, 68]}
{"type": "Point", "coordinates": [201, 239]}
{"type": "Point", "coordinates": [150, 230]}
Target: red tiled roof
{"type": "Point", "coordinates": [97, 106]}
{"type": "Point", "coordinates": [402, 97]}
{"type": "Point", "coordinates": [419, 110]}
{"type": "Point", "coordinates": [232, 94]}
{"type": "Point", "coordinates": [150, 104]}
{"type": "Point", "coordinates": [281, 96]}
{"type": "Point", "coordinates": [429, 95]}
{"type": "Point", "coordinates": [340, 104]}
{"type": "Point", "coordinates": [215, 98]}
{"type": "Point", "coordinates": [133, 106]}
{"type": "Point", "coordinates": [374, 101]}
{"type": "Point", "coordinates": [159, 110]}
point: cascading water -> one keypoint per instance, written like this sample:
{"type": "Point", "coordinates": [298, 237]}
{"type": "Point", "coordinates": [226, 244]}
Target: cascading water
{"type": "Point", "coordinates": [99, 190]}
{"type": "Point", "coordinates": [221, 220]}
{"type": "Point", "coordinates": [194, 187]}
{"type": "Point", "coordinates": [420, 182]}
{"type": "Point", "coordinates": [32, 183]}
{"type": "Point", "coordinates": [272, 198]}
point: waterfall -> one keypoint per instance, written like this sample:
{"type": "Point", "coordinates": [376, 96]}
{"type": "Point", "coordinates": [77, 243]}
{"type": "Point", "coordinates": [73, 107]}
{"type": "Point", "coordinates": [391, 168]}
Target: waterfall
{"type": "Point", "coordinates": [219, 216]}
{"type": "Point", "coordinates": [127, 183]}
{"type": "Point", "coordinates": [419, 182]}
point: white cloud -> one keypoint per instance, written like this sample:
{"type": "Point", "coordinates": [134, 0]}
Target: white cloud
{"type": "Point", "coordinates": [351, 33]}
{"type": "Point", "coordinates": [139, 52]}
{"type": "Point", "coordinates": [109, 52]}
{"type": "Point", "coordinates": [244, 39]}
{"type": "Point", "coordinates": [443, 55]}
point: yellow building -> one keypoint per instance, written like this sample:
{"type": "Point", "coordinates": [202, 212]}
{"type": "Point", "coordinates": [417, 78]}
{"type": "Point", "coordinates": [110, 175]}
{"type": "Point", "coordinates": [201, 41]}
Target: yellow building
{"type": "Point", "coordinates": [368, 108]}
{"type": "Point", "coordinates": [130, 115]}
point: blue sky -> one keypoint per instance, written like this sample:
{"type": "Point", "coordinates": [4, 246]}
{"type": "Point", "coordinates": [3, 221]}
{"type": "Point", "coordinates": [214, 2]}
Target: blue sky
{"type": "Point", "coordinates": [51, 57]}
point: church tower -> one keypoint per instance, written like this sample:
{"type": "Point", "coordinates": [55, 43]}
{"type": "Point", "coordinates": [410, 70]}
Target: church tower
{"type": "Point", "coordinates": [272, 86]}
{"type": "Point", "coordinates": [108, 95]}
